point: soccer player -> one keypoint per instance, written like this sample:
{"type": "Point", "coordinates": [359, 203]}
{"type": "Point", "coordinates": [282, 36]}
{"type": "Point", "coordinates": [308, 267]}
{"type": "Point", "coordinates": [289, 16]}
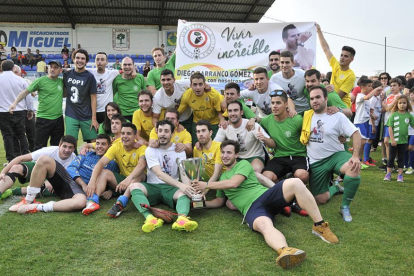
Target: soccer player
{"type": "Point", "coordinates": [232, 93]}
{"type": "Point", "coordinates": [126, 87]}
{"type": "Point", "coordinates": [49, 121]}
{"type": "Point", "coordinates": [21, 167]}
{"type": "Point", "coordinates": [142, 117]}
{"type": "Point", "coordinates": [153, 78]}
{"type": "Point", "coordinates": [131, 162]}
{"type": "Point", "coordinates": [70, 184]}
{"type": "Point", "coordinates": [81, 102]}
{"type": "Point", "coordinates": [327, 155]}
{"type": "Point", "coordinates": [259, 204]}
{"type": "Point", "coordinates": [162, 183]}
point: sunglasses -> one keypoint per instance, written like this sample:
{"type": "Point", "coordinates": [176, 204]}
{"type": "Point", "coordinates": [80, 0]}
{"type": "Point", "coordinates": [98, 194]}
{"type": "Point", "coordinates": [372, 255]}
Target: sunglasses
{"type": "Point", "coordinates": [384, 78]}
{"type": "Point", "coordinates": [278, 93]}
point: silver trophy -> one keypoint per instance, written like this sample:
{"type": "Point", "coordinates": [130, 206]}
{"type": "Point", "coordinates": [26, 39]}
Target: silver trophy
{"type": "Point", "coordinates": [193, 168]}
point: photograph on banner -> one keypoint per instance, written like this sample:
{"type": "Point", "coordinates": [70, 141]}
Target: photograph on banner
{"type": "Point", "coordinates": [229, 52]}
{"type": "Point", "coordinates": [44, 39]}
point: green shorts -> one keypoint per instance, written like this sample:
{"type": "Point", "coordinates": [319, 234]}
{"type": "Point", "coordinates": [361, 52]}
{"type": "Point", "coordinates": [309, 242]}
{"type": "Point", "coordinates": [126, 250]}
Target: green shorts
{"type": "Point", "coordinates": [250, 160]}
{"type": "Point", "coordinates": [160, 193]}
{"type": "Point", "coordinates": [321, 171]}
{"type": "Point", "coordinates": [29, 165]}
{"type": "Point", "coordinates": [73, 126]}
{"type": "Point", "coordinates": [119, 177]}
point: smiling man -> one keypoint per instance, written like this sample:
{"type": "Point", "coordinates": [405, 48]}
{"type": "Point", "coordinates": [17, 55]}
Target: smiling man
{"type": "Point", "coordinates": [153, 78]}
{"type": "Point", "coordinates": [70, 184]}
{"type": "Point", "coordinates": [142, 118]}
{"type": "Point", "coordinates": [126, 88]}
{"type": "Point", "coordinates": [81, 101]}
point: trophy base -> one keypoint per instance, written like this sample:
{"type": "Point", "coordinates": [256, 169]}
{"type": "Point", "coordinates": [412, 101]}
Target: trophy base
{"type": "Point", "coordinates": [198, 204]}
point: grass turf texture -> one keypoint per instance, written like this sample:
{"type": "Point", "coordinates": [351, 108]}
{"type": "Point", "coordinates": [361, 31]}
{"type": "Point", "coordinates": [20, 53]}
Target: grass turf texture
{"type": "Point", "coordinates": [379, 241]}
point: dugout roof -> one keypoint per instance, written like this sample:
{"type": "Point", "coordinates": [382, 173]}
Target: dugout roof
{"type": "Point", "coordinates": [132, 12]}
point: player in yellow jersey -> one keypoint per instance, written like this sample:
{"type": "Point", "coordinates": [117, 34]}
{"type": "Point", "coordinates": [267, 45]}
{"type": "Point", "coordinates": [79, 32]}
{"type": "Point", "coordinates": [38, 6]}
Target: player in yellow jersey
{"type": "Point", "coordinates": [142, 117]}
{"type": "Point", "coordinates": [209, 149]}
{"type": "Point", "coordinates": [131, 163]}
{"type": "Point", "coordinates": [181, 138]}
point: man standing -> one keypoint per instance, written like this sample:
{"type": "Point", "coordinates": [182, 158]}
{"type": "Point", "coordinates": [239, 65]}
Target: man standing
{"type": "Point", "coordinates": [81, 98]}
{"type": "Point", "coordinates": [295, 43]}
{"type": "Point", "coordinates": [293, 82]}
{"type": "Point", "coordinates": [104, 79]}
{"type": "Point", "coordinates": [142, 117]}
{"type": "Point", "coordinates": [274, 63]}
{"type": "Point", "coordinates": [343, 78]}
{"type": "Point", "coordinates": [12, 124]}
{"type": "Point", "coordinates": [126, 88]}
{"type": "Point", "coordinates": [41, 68]}
{"type": "Point", "coordinates": [153, 78]}
{"type": "Point", "coordinates": [259, 204]}
{"type": "Point", "coordinates": [260, 93]}
{"type": "Point", "coordinates": [162, 183]}
{"type": "Point", "coordinates": [327, 155]}
{"type": "Point", "coordinates": [49, 122]}
{"type": "Point", "coordinates": [117, 65]}
{"type": "Point", "coordinates": [251, 148]}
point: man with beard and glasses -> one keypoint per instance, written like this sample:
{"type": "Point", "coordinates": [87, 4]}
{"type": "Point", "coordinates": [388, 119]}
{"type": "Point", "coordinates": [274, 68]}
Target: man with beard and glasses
{"type": "Point", "coordinates": [259, 204]}
{"type": "Point", "coordinates": [162, 185]}
{"type": "Point", "coordinates": [81, 101]}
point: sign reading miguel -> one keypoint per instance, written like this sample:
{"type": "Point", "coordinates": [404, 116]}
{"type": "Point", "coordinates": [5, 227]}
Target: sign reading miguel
{"type": "Point", "coordinates": [44, 39]}
{"type": "Point", "coordinates": [229, 52]}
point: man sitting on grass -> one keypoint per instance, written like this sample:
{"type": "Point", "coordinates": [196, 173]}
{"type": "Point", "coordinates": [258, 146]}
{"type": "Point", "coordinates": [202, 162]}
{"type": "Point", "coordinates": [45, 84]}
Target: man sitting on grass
{"type": "Point", "coordinates": [162, 184]}
{"type": "Point", "coordinates": [70, 185]}
{"type": "Point", "coordinates": [259, 204]}
{"type": "Point", "coordinates": [21, 167]}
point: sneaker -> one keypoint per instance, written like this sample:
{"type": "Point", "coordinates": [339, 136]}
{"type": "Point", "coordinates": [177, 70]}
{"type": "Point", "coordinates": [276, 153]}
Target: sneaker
{"type": "Point", "coordinates": [387, 177]}
{"type": "Point", "coordinates": [151, 223]}
{"type": "Point", "coordinates": [116, 210]}
{"type": "Point", "coordinates": [369, 163]}
{"type": "Point", "coordinates": [363, 166]}
{"type": "Point", "coordinates": [298, 210]}
{"type": "Point", "coordinates": [286, 211]}
{"type": "Point", "coordinates": [16, 206]}
{"type": "Point", "coordinates": [346, 214]}
{"type": "Point", "coordinates": [405, 169]}
{"type": "Point", "coordinates": [7, 193]}
{"type": "Point", "coordinates": [290, 257]}
{"type": "Point", "coordinates": [324, 232]}
{"type": "Point", "coordinates": [28, 209]}
{"type": "Point", "coordinates": [184, 224]}
{"type": "Point", "coordinates": [409, 171]}
{"type": "Point", "coordinates": [372, 160]}
{"type": "Point", "coordinates": [400, 178]}
{"type": "Point", "coordinates": [340, 188]}
{"type": "Point", "coordinates": [383, 168]}
{"type": "Point", "coordinates": [91, 206]}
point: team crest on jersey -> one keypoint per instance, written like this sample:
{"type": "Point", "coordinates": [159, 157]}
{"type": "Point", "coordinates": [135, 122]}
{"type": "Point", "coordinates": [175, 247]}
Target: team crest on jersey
{"type": "Point", "coordinates": [288, 134]}
{"type": "Point", "coordinates": [207, 99]}
{"type": "Point", "coordinates": [407, 120]}
{"type": "Point", "coordinates": [197, 41]}
{"type": "Point", "coordinates": [176, 139]}
{"type": "Point", "coordinates": [341, 77]}
{"type": "Point", "coordinates": [135, 88]}
{"type": "Point", "coordinates": [210, 155]}
{"type": "Point", "coordinates": [134, 155]}
{"type": "Point", "coordinates": [59, 88]}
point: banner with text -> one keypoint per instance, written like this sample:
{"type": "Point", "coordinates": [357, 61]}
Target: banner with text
{"type": "Point", "coordinates": [44, 39]}
{"type": "Point", "coordinates": [229, 52]}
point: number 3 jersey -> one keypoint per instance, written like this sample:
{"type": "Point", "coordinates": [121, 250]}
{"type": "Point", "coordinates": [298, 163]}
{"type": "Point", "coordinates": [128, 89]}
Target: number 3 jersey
{"type": "Point", "coordinates": [79, 87]}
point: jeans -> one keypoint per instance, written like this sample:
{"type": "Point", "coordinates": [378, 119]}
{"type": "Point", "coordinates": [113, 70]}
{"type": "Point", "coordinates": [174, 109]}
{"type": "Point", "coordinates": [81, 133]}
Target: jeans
{"type": "Point", "coordinates": [13, 125]}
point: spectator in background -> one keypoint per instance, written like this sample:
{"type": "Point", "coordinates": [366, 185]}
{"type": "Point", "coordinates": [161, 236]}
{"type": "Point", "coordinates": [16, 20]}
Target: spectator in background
{"type": "Point", "coordinates": [13, 54]}
{"type": "Point", "coordinates": [328, 76]}
{"type": "Point", "coordinates": [65, 53]}
{"type": "Point", "coordinates": [408, 76]}
{"type": "Point", "coordinates": [325, 82]}
{"type": "Point", "coordinates": [41, 68]}
{"type": "Point", "coordinates": [117, 65]}
{"type": "Point", "coordinates": [30, 59]}
{"type": "Point", "coordinates": [37, 57]}
{"type": "Point", "coordinates": [66, 64]}
{"type": "Point", "coordinates": [410, 84]}
{"type": "Point", "coordinates": [3, 54]}
{"type": "Point", "coordinates": [385, 80]}
{"type": "Point", "coordinates": [147, 68]}
{"type": "Point", "coordinates": [21, 59]}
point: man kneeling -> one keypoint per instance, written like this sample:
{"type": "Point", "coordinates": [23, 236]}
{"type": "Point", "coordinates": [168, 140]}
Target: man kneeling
{"type": "Point", "coordinates": [259, 204]}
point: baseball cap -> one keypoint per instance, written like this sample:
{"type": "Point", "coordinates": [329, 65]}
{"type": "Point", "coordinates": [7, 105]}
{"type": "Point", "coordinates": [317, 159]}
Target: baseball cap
{"type": "Point", "coordinates": [55, 62]}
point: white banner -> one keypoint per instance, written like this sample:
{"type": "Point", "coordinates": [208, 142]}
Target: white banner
{"type": "Point", "coordinates": [229, 52]}
{"type": "Point", "coordinates": [44, 39]}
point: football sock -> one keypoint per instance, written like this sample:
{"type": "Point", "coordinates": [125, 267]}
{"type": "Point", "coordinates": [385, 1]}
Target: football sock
{"type": "Point", "coordinates": [46, 192]}
{"type": "Point", "coordinates": [137, 198]}
{"type": "Point", "coordinates": [17, 191]}
{"type": "Point", "coordinates": [47, 207]}
{"type": "Point", "coordinates": [367, 149]}
{"type": "Point", "coordinates": [351, 185]}
{"type": "Point", "coordinates": [31, 193]}
{"type": "Point", "coordinates": [94, 198]}
{"type": "Point", "coordinates": [333, 190]}
{"type": "Point", "coordinates": [319, 223]}
{"type": "Point", "coordinates": [183, 205]}
{"type": "Point", "coordinates": [124, 200]}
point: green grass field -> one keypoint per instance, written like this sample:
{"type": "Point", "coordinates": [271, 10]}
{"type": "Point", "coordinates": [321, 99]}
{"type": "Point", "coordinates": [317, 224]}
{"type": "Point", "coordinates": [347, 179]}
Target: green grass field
{"type": "Point", "coordinates": [379, 241]}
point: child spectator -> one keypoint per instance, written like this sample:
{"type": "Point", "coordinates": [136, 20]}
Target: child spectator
{"type": "Point", "coordinates": [398, 124]}
{"type": "Point", "coordinates": [410, 165]}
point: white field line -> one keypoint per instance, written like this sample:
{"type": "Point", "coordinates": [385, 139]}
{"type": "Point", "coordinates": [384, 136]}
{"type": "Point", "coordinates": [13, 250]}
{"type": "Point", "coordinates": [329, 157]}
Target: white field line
{"type": "Point", "coordinates": [8, 202]}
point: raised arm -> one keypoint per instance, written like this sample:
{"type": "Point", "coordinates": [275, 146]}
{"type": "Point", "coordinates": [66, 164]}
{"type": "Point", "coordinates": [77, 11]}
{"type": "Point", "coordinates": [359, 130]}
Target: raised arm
{"type": "Point", "coordinates": [324, 44]}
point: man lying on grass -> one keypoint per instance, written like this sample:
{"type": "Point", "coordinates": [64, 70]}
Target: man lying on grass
{"type": "Point", "coordinates": [259, 204]}
{"type": "Point", "coordinates": [70, 185]}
